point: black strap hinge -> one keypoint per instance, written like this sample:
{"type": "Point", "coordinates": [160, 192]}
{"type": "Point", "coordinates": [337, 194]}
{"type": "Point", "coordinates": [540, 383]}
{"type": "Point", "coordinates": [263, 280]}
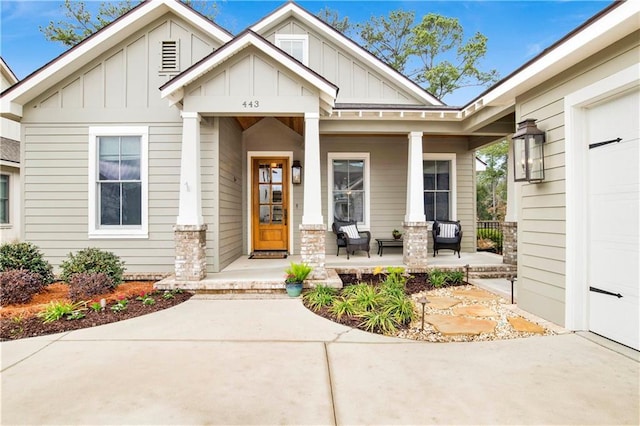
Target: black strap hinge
{"type": "Point", "coordinates": [597, 144]}
{"type": "Point", "coordinates": [608, 293]}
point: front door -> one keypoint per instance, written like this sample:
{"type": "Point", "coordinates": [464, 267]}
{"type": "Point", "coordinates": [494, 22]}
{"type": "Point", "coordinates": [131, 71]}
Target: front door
{"type": "Point", "coordinates": [270, 182]}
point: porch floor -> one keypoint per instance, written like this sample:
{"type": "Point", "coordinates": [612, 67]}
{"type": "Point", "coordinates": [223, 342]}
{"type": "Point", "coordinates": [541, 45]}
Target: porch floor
{"type": "Point", "coordinates": [267, 275]}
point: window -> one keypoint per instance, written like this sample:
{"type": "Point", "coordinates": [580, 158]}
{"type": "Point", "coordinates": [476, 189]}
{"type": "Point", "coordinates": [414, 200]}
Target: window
{"type": "Point", "coordinates": [170, 62]}
{"type": "Point", "coordinates": [349, 182]}
{"type": "Point", "coordinates": [118, 182]}
{"type": "Point", "coordinates": [296, 45]}
{"type": "Point", "coordinates": [4, 199]}
{"type": "Point", "coordinates": [439, 173]}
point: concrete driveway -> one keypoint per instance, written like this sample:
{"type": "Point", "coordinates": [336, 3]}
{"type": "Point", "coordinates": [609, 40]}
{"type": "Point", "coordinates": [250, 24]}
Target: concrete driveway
{"type": "Point", "coordinates": [270, 361]}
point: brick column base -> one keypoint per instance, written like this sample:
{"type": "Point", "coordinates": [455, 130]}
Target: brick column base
{"type": "Point", "coordinates": [312, 249]}
{"type": "Point", "coordinates": [416, 238]}
{"type": "Point", "coordinates": [510, 243]}
{"type": "Point", "coordinates": [191, 258]}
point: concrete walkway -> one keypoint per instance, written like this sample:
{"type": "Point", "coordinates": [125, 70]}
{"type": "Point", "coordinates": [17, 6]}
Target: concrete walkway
{"type": "Point", "coordinates": [270, 361]}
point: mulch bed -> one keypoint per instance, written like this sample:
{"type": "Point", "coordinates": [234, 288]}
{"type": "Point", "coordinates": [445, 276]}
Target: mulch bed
{"type": "Point", "coordinates": [19, 323]}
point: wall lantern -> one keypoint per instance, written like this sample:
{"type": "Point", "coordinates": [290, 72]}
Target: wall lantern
{"type": "Point", "coordinates": [528, 152]}
{"type": "Point", "coordinates": [296, 172]}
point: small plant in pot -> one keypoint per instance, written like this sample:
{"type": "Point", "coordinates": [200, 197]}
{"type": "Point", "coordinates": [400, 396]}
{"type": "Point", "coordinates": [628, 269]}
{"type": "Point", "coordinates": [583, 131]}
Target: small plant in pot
{"type": "Point", "coordinates": [296, 274]}
{"type": "Point", "coordinates": [396, 234]}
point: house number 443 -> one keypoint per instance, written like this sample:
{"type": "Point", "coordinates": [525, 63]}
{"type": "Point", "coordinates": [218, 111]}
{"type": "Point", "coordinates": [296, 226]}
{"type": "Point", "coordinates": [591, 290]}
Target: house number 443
{"type": "Point", "coordinates": [251, 104]}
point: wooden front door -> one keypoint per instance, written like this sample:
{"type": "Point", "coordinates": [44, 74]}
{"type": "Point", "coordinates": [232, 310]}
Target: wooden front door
{"type": "Point", "coordinates": [270, 184]}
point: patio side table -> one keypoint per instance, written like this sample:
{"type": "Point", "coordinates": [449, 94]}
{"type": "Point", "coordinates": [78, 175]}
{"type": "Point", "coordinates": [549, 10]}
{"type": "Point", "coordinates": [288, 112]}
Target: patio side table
{"type": "Point", "coordinates": [388, 242]}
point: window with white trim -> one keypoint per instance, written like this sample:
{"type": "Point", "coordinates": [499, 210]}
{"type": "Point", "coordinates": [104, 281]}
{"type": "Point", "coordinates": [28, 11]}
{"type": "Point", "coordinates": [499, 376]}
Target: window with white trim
{"type": "Point", "coordinates": [4, 199]}
{"type": "Point", "coordinates": [439, 174]}
{"type": "Point", "coordinates": [296, 45]}
{"type": "Point", "coordinates": [348, 182]}
{"type": "Point", "coordinates": [118, 190]}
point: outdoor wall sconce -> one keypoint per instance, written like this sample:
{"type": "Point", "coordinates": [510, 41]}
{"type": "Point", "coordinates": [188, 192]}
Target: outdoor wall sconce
{"type": "Point", "coordinates": [528, 152]}
{"type": "Point", "coordinates": [296, 172]}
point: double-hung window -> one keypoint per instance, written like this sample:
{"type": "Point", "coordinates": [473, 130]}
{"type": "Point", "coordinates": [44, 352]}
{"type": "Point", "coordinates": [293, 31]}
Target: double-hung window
{"type": "Point", "coordinates": [439, 172]}
{"type": "Point", "coordinates": [118, 182]}
{"type": "Point", "coordinates": [296, 45]}
{"type": "Point", "coordinates": [4, 199]}
{"type": "Point", "coordinates": [349, 193]}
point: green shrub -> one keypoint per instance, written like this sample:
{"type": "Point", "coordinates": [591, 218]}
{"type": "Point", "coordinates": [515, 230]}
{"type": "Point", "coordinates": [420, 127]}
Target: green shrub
{"type": "Point", "coordinates": [58, 310]}
{"type": "Point", "coordinates": [25, 256]}
{"type": "Point", "coordinates": [319, 297]}
{"type": "Point", "coordinates": [94, 261]}
{"type": "Point", "coordinates": [494, 235]}
{"type": "Point", "coordinates": [19, 286]}
{"type": "Point", "coordinates": [365, 298]}
{"type": "Point", "coordinates": [400, 308]}
{"type": "Point", "coordinates": [86, 285]}
{"type": "Point", "coordinates": [455, 277]}
{"type": "Point", "coordinates": [342, 306]}
{"type": "Point", "coordinates": [378, 321]}
{"type": "Point", "coordinates": [437, 278]}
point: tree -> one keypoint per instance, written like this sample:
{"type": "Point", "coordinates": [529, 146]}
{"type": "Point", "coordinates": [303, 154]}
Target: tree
{"type": "Point", "coordinates": [492, 183]}
{"type": "Point", "coordinates": [80, 24]}
{"type": "Point", "coordinates": [332, 17]}
{"type": "Point", "coordinates": [433, 52]}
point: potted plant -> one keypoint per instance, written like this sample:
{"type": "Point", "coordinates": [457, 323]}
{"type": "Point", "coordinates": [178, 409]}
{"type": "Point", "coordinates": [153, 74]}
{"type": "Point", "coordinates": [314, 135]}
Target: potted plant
{"type": "Point", "coordinates": [296, 274]}
{"type": "Point", "coordinates": [396, 234]}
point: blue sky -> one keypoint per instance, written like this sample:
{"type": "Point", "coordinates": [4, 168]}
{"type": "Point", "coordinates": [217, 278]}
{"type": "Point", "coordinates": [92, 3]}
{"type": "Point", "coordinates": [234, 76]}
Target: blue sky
{"type": "Point", "coordinates": [517, 30]}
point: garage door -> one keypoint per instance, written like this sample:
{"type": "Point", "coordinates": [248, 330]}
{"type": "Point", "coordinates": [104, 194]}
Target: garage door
{"type": "Point", "coordinates": [614, 219]}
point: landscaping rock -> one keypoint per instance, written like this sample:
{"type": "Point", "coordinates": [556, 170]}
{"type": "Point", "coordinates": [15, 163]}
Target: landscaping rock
{"type": "Point", "coordinates": [522, 325]}
{"type": "Point", "coordinates": [456, 325]}
{"type": "Point", "coordinates": [474, 311]}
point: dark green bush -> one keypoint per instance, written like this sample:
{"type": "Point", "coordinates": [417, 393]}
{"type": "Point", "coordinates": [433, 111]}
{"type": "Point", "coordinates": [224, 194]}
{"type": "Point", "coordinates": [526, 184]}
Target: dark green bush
{"type": "Point", "coordinates": [25, 256]}
{"type": "Point", "coordinates": [86, 285]}
{"type": "Point", "coordinates": [93, 260]}
{"type": "Point", "coordinates": [19, 286]}
{"type": "Point", "coordinates": [494, 235]}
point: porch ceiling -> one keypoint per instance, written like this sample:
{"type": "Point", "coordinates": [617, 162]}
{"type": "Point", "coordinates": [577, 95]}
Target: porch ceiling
{"type": "Point", "coordinates": [294, 123]}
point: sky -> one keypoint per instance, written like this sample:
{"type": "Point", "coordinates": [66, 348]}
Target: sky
{"type": "Point", "coordinates": [517, 30]}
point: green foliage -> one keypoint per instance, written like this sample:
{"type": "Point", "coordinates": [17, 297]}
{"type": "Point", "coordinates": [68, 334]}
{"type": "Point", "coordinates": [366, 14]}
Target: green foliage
{"type": "Point", "coordinates": [93, 261]}
{"type": "Point", "coordinates": [332, 17]}
{"type": "Point", "coordinates": [494, 235]}
{"type": "Point", "coordinates": [19, 286]}
{"type": "Point", "coordinates": [400, 308]}
{"type": "Point", "coordinates": [437, 278]}
{"type": "Point", "coordinates": [58, 310]}
{"type": "Point", "coordinates": [25, 256]}
{"type": "Point", "coordinates": [146, 299]}
{"type": "Point", "coordinates": [319, 297]}
{"type": "Point", "coordinates": [455, 277]}
{"type": "Point", "coordinates": [366, 298]}
{"type": "Point", "coordinates": [120, 305]}
{"type": "Point", "coordinates": [297, 272]}
{"type": "Point", "coordinates": [378, 321]}
{"type": "Point", "coordinates": [96, 306]}
{"type": "Point", "coordinates": [85, 285]}
{"type": "Point", "coordinates": [168, 295]}
{"type": "Point", "coordinates": [491, 188]}
{"type": "Point", "coordinates": [342, 306]}
{"type": "Point", "coordinates": [79, 23]}
{"type": "Point", "coordinates": [447, 61]}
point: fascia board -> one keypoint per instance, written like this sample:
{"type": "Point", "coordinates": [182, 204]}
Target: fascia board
{"type": "Point", "coordinates": [291, 9]}
{"type": "Point", "coordinates": [239, 44]}
{"type": "Point", "coordinates": [101, 41]}
{"type": "Point", "coordinates": [611, 27]}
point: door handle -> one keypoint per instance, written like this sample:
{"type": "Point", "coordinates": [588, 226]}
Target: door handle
{"type": "Point", "coordinates": [285, 217]}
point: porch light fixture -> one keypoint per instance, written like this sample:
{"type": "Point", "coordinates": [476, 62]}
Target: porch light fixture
{"type": "Point", "coordinates": [296, 172]}
{"type": "Point", "coordinates": [528, 152]}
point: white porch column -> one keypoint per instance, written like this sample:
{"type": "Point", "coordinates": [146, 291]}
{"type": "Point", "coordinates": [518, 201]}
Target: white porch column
{"type": "Point", "coordinates": [312, 209]}
{"type": "Point", "coordinates": [415, 184]}
{"type": "Point", "coordinates": [190, 208]}
{"type": "Point", "coordinates": [513, 188]}
{"type": "Point", "coordinates": [190, 231]}
{"type": "Point", "coordinates": [416, 236]}
{"type": "Point", "coordinates": [312, 230]}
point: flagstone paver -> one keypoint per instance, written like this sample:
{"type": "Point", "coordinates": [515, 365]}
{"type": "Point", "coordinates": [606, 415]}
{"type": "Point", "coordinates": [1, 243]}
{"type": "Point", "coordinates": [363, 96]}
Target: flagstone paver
{"type": "Point", "coordinates": [521, 324]}
{"type": "Point", "coordinates": [474, 311]}
{"type": "Point", "coordinates": [475, 293]}
{"type": "Point", "coordinates": [456, 325]}
{"type": "Point", "coordinates": [442, 302]}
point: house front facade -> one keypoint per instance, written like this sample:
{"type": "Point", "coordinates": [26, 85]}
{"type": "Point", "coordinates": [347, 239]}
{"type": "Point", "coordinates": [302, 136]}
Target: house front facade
{"type": "Point", "coordinates": [172, 143]}
{"type": "Point", "coordinates": [9, 167]}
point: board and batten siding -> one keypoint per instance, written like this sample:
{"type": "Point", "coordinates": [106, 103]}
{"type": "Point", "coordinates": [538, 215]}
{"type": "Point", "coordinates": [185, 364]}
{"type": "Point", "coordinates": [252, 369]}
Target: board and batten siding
{"type": "Point", "coordinates": [358, 82]}
{"type": "Point", "coordinates": [542, 214]}
{"type": "Point", "coordinates": [388, 174]}
{"type": "Point", "coordinates": [56, 195]}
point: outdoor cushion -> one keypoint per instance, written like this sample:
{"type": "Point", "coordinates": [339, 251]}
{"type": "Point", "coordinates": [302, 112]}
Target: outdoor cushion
{"type": "Point", "coordinates": [351, 231]}
{"type": "Point", "coordinates": [447, 230]}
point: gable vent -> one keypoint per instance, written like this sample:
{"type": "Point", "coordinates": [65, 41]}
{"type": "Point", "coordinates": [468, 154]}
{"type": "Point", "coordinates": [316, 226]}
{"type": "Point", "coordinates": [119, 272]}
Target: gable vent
{"type": "Point", "coordinates": [170, 60]}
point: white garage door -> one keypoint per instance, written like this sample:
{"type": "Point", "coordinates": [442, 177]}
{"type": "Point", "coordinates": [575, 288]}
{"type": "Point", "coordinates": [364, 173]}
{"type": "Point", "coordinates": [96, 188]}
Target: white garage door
{"type": "Point", "coordinates": [614, 219]}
